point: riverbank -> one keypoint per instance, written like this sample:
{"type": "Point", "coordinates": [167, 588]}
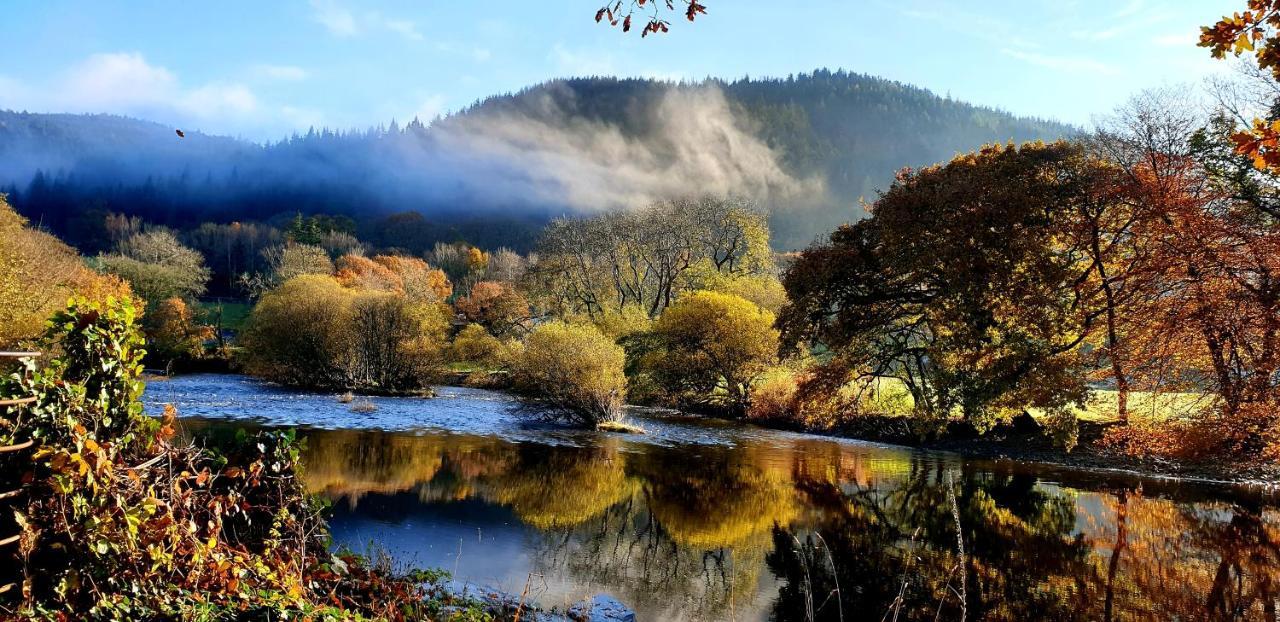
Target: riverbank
{"type": "Point", "coordinates": [705, 518]}
{"type": "Point", "coordinates": [1026, 442]}
{"type": "Point", "coordinates": [1021, 441]}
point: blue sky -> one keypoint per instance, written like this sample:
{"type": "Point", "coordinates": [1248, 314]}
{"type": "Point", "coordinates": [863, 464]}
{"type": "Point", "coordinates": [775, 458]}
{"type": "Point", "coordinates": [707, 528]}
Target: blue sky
{"type": "Point", "coordinates": [264, 69]}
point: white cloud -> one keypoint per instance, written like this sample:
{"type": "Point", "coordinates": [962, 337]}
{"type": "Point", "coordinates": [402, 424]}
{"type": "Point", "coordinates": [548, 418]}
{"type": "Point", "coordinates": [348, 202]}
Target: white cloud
{"type": "Point", "coordinates": [116, 82]}
{"type": "Point", "coordinates": [216, 100]}
{"type": "Point", "coordinates": [286, 73]}
{"type": "Point", "coordinates": [126, 83]}
{"type": "Point", "coordinates": [343, 22]}
{"type": "Point", "coordinates": [337, 19]}
{"type": "Point", "coordinates": [1073, 64]}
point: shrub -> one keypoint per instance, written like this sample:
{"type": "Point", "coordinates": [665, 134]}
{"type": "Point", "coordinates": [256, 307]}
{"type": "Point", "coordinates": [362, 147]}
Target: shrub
{"type": "Point", "coordinates": [313, 332]}
{"type": "Point", "coordinates": [1253, 433]}
{"type": "Point", "coordinates": [575, 371]}
{"type": "Point", "coordinates": [298, 334]}
{"type": "Point", "coordinates": [774, 399]}
{"type": "Point", "coordinates": [716, 346]}
{"type": "Point", "coordinates": [395, 344]}
{"type": "Point", "coordinates": [125, 522]}
{"type": "Point", "coordinates": [418, 280]}
{"type": "Point", "coordinates": [473, 344]}
{"type": "Point", "coordinates": [360, 272]}
{"type": "Point", "coordinates": [38, 273]}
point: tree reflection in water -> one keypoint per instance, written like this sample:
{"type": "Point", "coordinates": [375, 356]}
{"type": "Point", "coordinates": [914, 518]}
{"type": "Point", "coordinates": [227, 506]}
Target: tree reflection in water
{"type": "Point", "coordinates": [770, 526]}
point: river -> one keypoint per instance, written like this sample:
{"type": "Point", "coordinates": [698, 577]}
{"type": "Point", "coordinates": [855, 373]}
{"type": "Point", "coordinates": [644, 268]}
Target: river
{"type": "Point", "coordinates": [711, 520]}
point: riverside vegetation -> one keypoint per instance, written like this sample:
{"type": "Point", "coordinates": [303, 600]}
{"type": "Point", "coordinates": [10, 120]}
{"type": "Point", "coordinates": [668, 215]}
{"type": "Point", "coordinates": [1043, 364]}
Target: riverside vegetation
{"type": "Point", "coordinates": [123, 520]}
{"type": "Point", "coordinates": [1085, 278]}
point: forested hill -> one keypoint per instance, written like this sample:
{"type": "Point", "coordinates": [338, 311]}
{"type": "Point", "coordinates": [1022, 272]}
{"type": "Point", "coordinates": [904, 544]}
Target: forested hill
{"type": "Point", "coordinates": [809, 146]}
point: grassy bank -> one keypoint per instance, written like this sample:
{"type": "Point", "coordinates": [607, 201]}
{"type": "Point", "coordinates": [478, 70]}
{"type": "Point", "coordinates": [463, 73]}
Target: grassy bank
{"type": "Point", "coordinates": [1024, 441]}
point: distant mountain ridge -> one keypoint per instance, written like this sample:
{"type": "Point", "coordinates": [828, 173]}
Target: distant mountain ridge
{"type": "Point", "coordinates": [496, 170]}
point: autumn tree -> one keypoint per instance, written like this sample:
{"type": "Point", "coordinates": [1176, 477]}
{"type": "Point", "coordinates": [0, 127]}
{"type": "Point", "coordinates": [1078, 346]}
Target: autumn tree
{"type": "Point", "coordinates": [359, 272]}
{"type": "Point", "coordinates": [285, 262]}
{"type": "Point", "coordinates": [1255, 32]}
{"type": "Point", "coordinates": [157, 266]}
{"type": "Point", "coordinates": [474, 344]}
{"type": "Point", "coordinates": [713, 349]}
{"type": "Point", "coordinates": [646, 258]}
{"type": "Point", "coordinates": [497, 306]}
{"type": "Point", "coordinates": [960, 286]}
{"type": "Point", "coordinates": [174, 334]}
{"type": "Point", "coordinates": [298, 333]}
{"type": "Point", "coordinates": [574, 371]}
{"type": "Point", "coordinates": [505, 265]}
{"type": "Point", "coordinates": [462, 263]}
{"type": "Point", "coordinates": [419, 281]}
{"type": "Point", "coordinates": [38, 273]}
{"type": "Point", "coordinates": [1212, 324]}
{"type": "Point", "coordinates": [395, 343]}
{"type": "Point", "coordinates": [293, 260]}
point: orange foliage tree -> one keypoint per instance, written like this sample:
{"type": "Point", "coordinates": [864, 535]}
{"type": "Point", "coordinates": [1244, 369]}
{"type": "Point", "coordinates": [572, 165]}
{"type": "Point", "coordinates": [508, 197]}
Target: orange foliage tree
{"type": "Point", "coordinates": [418, 280]}
{"type": "Point", "coordinates": [495, 305]}
{"type": "Point", "coordinates": [1208, 317]}
{"type": "Point", "coordinates": [961, 286]}
{"type": "Point", "coordinates": [173, 332]}
{"type": "Point", "coordinates": [410, 276]}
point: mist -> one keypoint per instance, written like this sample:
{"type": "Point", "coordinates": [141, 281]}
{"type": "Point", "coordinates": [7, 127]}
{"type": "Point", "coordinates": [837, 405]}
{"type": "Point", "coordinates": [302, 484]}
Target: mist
{"type": "Point", "coordinates": [693, 144]}
{"type": "Point", "coordinates": [807, 148]}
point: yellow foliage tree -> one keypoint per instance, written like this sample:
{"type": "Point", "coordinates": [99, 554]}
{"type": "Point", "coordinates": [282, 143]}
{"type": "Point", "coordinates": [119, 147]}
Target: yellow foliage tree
{"type": "Point", "coordinates": [173, 332]}
{"type": "Point", "coordinates": [38, 273]}
{"type": "Point", "coordinates": [576, 371]}
{"type": "Point", "coordinates": [715, 348]}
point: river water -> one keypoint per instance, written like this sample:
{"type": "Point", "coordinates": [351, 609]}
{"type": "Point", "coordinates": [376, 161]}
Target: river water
{"type": "Point", "coordinates": [711, 520]}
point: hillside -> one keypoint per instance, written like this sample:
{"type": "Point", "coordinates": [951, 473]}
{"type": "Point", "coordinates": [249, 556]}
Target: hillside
{"type": "Point", "coordinates": [808, 146]}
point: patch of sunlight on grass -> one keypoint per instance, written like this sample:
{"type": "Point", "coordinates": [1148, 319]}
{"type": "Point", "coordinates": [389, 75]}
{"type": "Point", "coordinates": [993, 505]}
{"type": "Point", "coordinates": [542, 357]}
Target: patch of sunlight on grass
{"type": "Point", "coordinates": [888, 396]}
{"type": "Point", "coordinates": [1152, 406]}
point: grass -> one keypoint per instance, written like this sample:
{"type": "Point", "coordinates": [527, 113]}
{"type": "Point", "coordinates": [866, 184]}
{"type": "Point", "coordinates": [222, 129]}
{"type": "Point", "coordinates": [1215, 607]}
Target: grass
{"type": "Point", "coordinates": [891, 397]}
{"type": "Point", "coordinates": [234, 314]}
{"type": "Point", "coordinates": [619, 426]}
{"type": "Point", "coordinates": [1152, 406]}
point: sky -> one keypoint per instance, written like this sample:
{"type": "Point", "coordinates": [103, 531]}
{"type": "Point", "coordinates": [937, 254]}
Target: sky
{"type": "Point", "coordinates": [262, 70]}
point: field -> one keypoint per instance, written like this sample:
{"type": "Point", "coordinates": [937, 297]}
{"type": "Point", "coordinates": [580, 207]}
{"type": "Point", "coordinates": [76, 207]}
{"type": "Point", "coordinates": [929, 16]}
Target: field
{"type": "Point", "coordinates": [234, 314]}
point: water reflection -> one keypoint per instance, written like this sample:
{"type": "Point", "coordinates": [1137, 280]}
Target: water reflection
{"type": "Point", "coordinates": [795, 527]}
